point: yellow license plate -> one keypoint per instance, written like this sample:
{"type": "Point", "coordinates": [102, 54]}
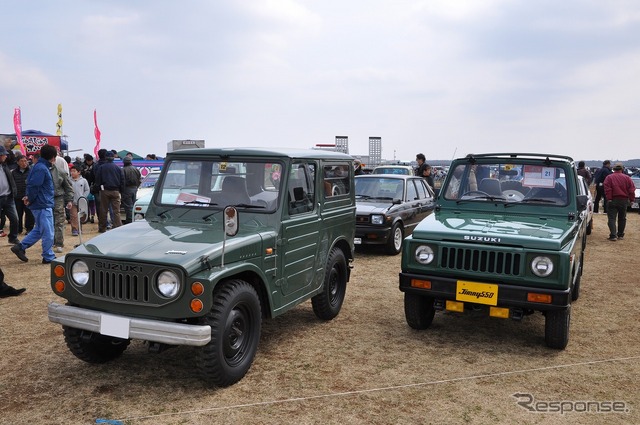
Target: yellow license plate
{"type": "Point", "coordinates": [479, 293]}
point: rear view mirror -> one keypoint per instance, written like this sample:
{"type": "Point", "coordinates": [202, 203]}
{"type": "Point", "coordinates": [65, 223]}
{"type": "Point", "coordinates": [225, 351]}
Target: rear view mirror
{"type": "Point", "coordinates": [230, 221]}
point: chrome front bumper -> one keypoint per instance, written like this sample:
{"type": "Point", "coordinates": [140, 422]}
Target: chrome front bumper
{"type": "Point", "coordinates": [129, 327]}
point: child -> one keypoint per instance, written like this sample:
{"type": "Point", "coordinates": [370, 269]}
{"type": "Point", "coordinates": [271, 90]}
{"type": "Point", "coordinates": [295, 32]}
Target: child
{"type": "Point", "coordinates": [80, 188]}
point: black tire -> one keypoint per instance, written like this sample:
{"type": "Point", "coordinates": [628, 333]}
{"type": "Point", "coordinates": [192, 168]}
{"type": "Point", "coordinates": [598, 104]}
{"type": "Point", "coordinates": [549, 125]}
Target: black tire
{"type": "Point", "coordinates": [327, 304]}
{"type": "Point", "coordinates": [556, 328]}
{"type": "Point", "coordinates": [589, 227]}
{"type": "Point", "coordinates": [92, 347]}
{"type": "Point", "coordinates": [394, 244]}
{"type": "Point", "coordinates": [575, 293]}
{"type": "Point", "coordinates": [235, 321]}
{"type": "Point", "coordinates": [418, 310]}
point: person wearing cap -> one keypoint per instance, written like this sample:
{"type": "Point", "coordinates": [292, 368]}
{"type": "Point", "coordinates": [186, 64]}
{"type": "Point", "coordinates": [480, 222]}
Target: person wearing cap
{"type": "Point", "coordinates": [620, 191]}
{"type": "Point", "coordinates": [39, 199]}
{"type": "Point", "coordinates": [598, 179]}
{"type": "Point", "coordinates": [8, 190]}
{"type": "Point", "coordinates": [63, 200]}
{"type": "Point", "coordinates": [110, 180]}
{"type": "Point", "coordinates": [132, 180]}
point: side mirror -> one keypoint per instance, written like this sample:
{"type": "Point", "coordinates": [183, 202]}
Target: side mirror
{"type": "Point", "coordinates": [231, 222]}
{"type": "Point", "coordinates": [582, 202]}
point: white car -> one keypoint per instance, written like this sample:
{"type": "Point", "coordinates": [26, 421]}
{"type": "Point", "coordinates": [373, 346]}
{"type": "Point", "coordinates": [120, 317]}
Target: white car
{"type": "Point", "coordinates": [144, 195]}
{"type": "Point", "coordinates": [404, 170]}
{"type": "Point", "coordinates": [583, 189]}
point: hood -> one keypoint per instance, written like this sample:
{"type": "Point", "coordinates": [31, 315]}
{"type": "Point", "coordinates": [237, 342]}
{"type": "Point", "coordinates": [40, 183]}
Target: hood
{"type": "Point", "coordinates": [183, 246]}
{"type": "Point", "coordinates": [371, 207]}
{"type": "Point", "coordinates": [549, 233]}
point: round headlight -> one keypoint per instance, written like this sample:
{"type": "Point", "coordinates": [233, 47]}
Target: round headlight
{"type": "Point", "coordinates": [542, 266]}
{"type": "Point", "coordinates": [424, 254]}
{"type": "Point", "coordinates": [168, 284]}
{"type": "Point", "coordinates": [377, 219]}
{"type": "Point", "coordinates": [80, 273]}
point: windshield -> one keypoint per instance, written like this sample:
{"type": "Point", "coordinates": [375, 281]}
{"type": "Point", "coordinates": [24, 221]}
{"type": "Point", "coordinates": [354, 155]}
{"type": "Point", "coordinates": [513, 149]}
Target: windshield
{"type": "Point", "coordinates": [379, 188]}
{"type": "Point", "coordinates": [505, 182]}
{"type": "Point", "coordinates": [209, 183]}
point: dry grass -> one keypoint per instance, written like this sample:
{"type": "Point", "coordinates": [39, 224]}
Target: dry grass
{"type": "Point", "coordinates": [366, 366]}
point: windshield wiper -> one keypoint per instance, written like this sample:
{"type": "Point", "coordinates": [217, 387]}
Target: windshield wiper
{"type": "Point", "coordinates": [548, 201]}
{"type": "Point", "coordinates": [196, 202]}
{"type": "Point", "coordinates": [363, 196]}
{"type": "Point", "coordinates": [489, 197]}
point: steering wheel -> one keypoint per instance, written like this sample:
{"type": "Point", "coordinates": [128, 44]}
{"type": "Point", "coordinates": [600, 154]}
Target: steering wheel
{"type": "Point", "coordinates": [476, 192]}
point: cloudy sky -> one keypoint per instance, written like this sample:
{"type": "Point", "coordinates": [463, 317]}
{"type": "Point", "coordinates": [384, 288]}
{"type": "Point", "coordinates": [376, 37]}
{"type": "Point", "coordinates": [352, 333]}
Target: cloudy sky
{"type": "Point", "coordinates": [433, 76]}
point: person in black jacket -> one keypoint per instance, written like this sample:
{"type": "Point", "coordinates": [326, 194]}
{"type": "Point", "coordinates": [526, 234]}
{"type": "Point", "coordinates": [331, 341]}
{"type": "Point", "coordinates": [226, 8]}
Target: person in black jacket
{"type": "Point", "coordinates": [110, 180]}
{"type": "Point", "coordinates": [20, 175]}
{"type": "Point", "coordinates": [7, 192]}
{"type": "Point", "coordinates": [598, 179]}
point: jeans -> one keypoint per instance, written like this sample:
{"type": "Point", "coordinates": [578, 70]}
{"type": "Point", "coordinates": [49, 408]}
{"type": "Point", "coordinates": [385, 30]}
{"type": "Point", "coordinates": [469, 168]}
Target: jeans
{"type": "Point", "coordinates": [44, 231]}
{"type": "Point", "coordinates": [617, 209]}
{"type": "Point", "coordinates": [8, 207]}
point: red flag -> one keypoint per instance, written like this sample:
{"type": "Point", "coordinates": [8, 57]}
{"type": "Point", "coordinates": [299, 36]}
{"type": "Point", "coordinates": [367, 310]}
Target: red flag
{"type": "Point", "coordinates": [17, 124]}
{"type": "Point", "coordinates": [96, 132]}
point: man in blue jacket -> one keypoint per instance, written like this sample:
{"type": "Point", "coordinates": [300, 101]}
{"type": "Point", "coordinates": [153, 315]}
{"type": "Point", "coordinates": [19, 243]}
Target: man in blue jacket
{"type": "Point", "coordinates": [40, 200]}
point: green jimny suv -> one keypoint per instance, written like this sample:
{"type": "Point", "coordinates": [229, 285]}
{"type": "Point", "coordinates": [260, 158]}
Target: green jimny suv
{"type": "Point", "coordinates": [231, 236]}
{"type": "Point", "coordinates": [508, 237]}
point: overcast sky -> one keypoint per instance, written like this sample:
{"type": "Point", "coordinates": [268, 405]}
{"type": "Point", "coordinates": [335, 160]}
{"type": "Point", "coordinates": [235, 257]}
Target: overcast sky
{"type": "Point", "coordinates": [433, 76]}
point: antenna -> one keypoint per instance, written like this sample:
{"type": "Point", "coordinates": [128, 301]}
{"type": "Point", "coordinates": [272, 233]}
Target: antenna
{"type": "Point", "coordinates": [454, 153]}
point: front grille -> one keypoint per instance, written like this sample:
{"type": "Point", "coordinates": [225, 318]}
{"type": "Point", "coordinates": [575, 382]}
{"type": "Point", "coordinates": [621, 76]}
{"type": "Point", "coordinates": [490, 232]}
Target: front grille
{"type": "Point", "coordinates": [362, 219]}
{"type": "Point", "coordinates": [124, 281]}
{"type": "Point", "coordinates": [119, 286]}
{"type": "Point", "coordinates": [479, 260]}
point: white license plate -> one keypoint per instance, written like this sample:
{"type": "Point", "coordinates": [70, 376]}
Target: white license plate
{"type": "Point", "coordinates": [357, 241]}
{"type": "Point", "coordinates": [634, 205]}
{"type": "Point", "coordinates": [114, 326]}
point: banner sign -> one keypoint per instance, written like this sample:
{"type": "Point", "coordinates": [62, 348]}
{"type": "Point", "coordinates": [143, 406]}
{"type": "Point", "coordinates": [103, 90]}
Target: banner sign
{"type": "Point", "coordinates": [17, 124]}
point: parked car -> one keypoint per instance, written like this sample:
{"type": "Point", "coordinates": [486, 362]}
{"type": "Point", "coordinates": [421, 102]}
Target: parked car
{"type": "Point", "coordinates": [507, 239]}
{"type": "Point", "coordinates": [636, 181]}
{"type": "Point", "coordinates": [231, 237]}
{"type": "Point", "coordinates": [583, 189]}
{"type": "Point", "coordinates": [404, 170]}
{"type": "Point", "coordinates": [147, 184]}
{"type": "Point", "coordinates": [388, 207]}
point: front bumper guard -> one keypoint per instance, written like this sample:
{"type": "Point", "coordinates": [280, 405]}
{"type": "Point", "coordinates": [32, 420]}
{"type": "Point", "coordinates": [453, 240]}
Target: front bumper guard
{"type": "Point", "coordinates": [129, 327]}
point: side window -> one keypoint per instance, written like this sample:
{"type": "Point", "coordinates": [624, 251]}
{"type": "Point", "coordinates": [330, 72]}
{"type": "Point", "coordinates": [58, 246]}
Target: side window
{"type": "Point", "coordinates": [336, 180]}
{"type": "Point", "coordinates": [412, 193]}
{"type": "Point", "coordinates": [422, 190]}
{"type": "Point", "coordinates": [301, 189]}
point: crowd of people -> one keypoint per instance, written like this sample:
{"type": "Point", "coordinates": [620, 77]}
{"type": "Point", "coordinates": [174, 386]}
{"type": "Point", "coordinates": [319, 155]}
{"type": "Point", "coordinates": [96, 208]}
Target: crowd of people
{"type": "Point", "coordinates": [40, 195]}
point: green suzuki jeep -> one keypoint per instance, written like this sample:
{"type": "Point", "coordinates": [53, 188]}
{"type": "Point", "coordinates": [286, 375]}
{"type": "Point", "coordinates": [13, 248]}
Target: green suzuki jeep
{"type": "Point", "coordinates": [507, 237]}
{"type": "Point", "coordinates": [231, 236]}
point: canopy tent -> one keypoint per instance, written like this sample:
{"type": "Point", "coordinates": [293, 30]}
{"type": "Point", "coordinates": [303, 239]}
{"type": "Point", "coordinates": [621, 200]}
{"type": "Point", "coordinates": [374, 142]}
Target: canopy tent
{"type": "Point", "coordinates": [123, 152]}
{"type": "Point", "coordinates": [64, 146]}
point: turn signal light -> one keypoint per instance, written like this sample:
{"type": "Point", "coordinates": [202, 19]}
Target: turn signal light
{"type": "Point", "coordinates": [59, 286]}
{"type": "Point", "coordinates": [197, 288]}
{"type": "Point", "coordinates": [538, 298]}
{"type": "Point", "coordinates": [196, 305]}
{"type": "Point", "coordinates": [58, 271]}
{"type": "Point", "coordinates": [424, 284]}
{"type": "Point", "coordinates": [269, 251]}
